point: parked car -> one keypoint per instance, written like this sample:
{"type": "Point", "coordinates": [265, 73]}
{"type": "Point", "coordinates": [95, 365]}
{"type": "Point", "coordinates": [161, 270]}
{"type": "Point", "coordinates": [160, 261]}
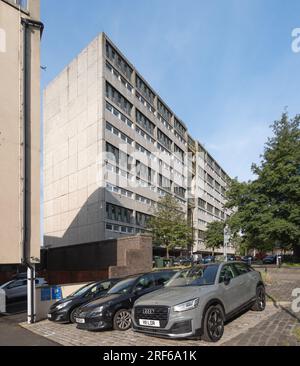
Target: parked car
{"type": "Point", "coordinates": [270, 259]}
{"type": "Point", "coordinates": [248, 259]}
{"type": "Point", "coordinates": [63, 311]}
{"type": "Point", "coordinates": [182, 261]}
{"type": "Point", "coordinates": [208, 259]}
{"type": "Point", "coordinates": [114, 309]}
{"type": "Point", "coordinates": [195, 303]}
{"type": "Point", "coordinates": [16, 293]}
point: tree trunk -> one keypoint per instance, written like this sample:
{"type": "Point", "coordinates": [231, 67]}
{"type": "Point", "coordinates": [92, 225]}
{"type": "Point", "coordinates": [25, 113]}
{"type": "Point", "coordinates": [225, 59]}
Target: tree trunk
{"type": "Point", "coordinates": [167, 252]}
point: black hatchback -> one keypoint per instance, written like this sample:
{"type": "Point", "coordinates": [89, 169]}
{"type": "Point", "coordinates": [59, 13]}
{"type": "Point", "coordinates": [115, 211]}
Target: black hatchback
{"type": "Point", "coordinates": [114, 309]}
{"type": "Point", "coordinates": [63, 310]}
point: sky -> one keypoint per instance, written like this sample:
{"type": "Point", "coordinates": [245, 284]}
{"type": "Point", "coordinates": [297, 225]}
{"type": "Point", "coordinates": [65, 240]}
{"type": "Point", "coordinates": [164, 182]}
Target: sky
{"type": "Point", "coordinates": [225, 67]}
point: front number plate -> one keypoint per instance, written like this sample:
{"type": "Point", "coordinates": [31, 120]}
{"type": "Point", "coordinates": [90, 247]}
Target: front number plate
{"type": "Point", "coordinates": [149, 323]}
{"type": "Point", "coordinates": [80, 320]}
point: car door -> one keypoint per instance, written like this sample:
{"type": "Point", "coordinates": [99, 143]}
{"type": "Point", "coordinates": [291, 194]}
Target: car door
{"type": "Point", "coordinates": [16, 291]}
{"type": "Point", "coordinates": [230, 293]}
{"type": "Point", "coordinates": [144, 285]}
{"type": "Point", "coordinates": [245, 281]}
{"type": "Point", "coordinates": [248, 278]}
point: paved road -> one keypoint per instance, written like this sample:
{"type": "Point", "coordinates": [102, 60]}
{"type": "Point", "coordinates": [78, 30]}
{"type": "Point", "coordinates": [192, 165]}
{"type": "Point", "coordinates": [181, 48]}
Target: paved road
{"type": "Point", "coordinates": [11, 334]}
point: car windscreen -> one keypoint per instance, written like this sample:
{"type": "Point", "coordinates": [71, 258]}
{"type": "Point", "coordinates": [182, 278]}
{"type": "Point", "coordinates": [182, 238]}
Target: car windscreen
{"type": "Point", "coordinates": [82, 290]}
{"type": "Point", "coordinates": [122, 287]}
{"type": "Point", "coordinates": [196, 276]}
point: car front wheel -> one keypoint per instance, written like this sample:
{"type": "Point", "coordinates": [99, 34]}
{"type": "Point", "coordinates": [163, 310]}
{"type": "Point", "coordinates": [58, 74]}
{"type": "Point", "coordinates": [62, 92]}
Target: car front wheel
{"type": "Point", "coordinates": [73, 315]}
{"type": "Point", "coordinates": [260, 300]}
{"type": "Point", "coordinates": [122, 320]}
{"type": "Point", "coordinates": [213, 325]}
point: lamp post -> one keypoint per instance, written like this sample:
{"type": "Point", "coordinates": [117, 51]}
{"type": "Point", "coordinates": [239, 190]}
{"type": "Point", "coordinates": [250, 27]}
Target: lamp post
{"type": "Point", "coordinates": [226, 241]}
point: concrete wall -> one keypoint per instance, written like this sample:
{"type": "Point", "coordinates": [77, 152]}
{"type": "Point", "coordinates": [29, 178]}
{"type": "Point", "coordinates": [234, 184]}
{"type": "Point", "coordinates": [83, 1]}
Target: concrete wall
{"type": "Point", "coordinates": [73, 144]}
{"type": "Point", "coordinates": [11, 132]}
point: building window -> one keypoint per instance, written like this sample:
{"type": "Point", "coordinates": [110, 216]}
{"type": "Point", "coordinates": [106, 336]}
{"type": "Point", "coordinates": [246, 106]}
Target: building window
{"type": "Point", "coordinates": [118, 114]}
{"type": "Point", "coordinates": [209, 208]}
{"type": "Point", "coordinates": [144, 200]}
{"type": "Point", "coordinates": [201, 234]}
{"type": "Point", "coordinates": [112, 188]}
{"type": "Point", "coordinates": [119, 157]}
{"type": "Point", "coordinates": [179, 191]}
{"type": "Point", "coordinates": [144, 122]}
{"type": "Point", "coordinates": [164, 139]}
{"type": "Point", "coordinates": [118, 99]}
{"type": "Point", "coordinates": [210, 179]}
{"type": "Point", "coordinates": [141, 149]}
{"type": "Point", "coordinates": [144, 90]}
{"type": "Point", "coordinates": [118, 213]}
{"type": "Point", "coordinates": [179, 127]}
{"type": "Point", "coordinates": [179, 152]}
{"type": "Point", "coordinates": [162, 149]}
{"type": "Point", "coordinates": [144, 172]}
{"type": "Point", "coordinates": [144, 135]}
{"type": "Point", "coordinates": [141, 219]}
{"type": "Point", "coordinates": [119, 77]}
{"type": "Point", "coordinates": [118, 61]}
{"type": "Point", "coordinates": [118, 133]}
{"type": "Point", "coordinates": [201, 203]}
{"type": "Point", "coordinates": [164, 111]}
{"type": "Point", "coordinates": [164, 182]}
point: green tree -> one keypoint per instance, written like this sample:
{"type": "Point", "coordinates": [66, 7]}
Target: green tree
{"type": "Point", "coordinates": [269, 207]}
{"type": "Point", "coordinates": [169, 225]}
{"type": "Point", "coordinates": [214, 235]}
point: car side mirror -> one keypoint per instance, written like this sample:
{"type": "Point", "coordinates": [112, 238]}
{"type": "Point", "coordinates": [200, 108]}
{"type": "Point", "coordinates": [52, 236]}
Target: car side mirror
{"type": "Point", "coordinates": [138, 289]}
{"type": "Point", "coordinates": [226, 279]}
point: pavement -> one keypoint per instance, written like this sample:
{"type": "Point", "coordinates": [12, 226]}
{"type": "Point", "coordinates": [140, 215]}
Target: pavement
{"type": "Point", "coordinates": [277, 325]}
{"type": "Point", "coordinates": [12, 334]}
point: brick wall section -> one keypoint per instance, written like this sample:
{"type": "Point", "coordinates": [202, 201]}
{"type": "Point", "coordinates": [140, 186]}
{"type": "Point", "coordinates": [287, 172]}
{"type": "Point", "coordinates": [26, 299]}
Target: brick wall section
{"type": "Point", "coordinates": [95, 261]}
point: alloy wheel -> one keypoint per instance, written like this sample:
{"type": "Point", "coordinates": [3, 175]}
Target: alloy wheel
{"type": "Point", "coordinates": [215, 324]}
{"type": "Point", "coordinates": [123, 320]}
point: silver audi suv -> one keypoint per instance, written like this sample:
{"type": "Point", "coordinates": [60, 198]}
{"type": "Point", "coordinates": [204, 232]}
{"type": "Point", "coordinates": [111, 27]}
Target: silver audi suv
{"type": "Point", "coordinates": [196, 302]}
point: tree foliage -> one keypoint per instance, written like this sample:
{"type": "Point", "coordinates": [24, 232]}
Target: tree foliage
{"type": "Point", "coordinates": [169, 225]}
{"type": "Point", "coordinates": [214, 235]}
{"type": "Point", "coordinates": [269, 207]}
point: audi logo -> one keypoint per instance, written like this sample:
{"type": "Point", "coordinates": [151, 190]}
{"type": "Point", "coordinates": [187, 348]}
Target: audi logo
{"type": "Point", "coordinates": [148, 311]}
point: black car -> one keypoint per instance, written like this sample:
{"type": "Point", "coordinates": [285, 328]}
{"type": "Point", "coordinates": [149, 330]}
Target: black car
{"type": "Point", "coordinates": [269, 259]}
{"type": "Point", "coordinates": [63, 310]}
{"type": "Point", "coordinates": [248, 259]}
{"type": "Point", "coordinates": [114, 309]}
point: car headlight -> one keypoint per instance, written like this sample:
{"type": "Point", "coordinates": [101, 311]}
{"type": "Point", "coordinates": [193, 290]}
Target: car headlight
{"type": "Point", "coordinates": [97, 311]}
{"type": "Point", "coordinates": [64, 304]}
{"type": "Point", "coordinates": [188, 305]}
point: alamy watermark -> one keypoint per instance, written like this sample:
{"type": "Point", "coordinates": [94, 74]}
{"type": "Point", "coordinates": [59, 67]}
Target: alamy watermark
{"type": "Point", "coordinates": [296, 40]}
{"type": "Point", "coordinates": [296, 301]}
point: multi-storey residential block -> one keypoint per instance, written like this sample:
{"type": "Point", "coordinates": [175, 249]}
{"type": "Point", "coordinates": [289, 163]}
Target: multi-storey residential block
{"type": "Point", "coordinates": [112, 148]}
{"type": "Point", "coordinates": [20, 35]}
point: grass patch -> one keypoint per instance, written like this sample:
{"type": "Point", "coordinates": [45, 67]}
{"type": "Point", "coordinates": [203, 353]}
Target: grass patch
{"type": "Point", "coordinates": [291, 265]}
{"type": "Point", "coordinates": [266, 277]}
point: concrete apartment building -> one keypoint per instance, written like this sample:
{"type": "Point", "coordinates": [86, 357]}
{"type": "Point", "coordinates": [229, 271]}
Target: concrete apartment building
{"type": "Point", "coordinates": [20, 33]}
{"type": "Point", "coordinates": [112, 148]}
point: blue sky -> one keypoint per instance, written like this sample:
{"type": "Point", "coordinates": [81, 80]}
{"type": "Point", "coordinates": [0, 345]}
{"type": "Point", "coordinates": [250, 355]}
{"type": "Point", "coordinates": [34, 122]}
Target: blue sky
{"type": "Point", "coordinates": [225, 67]}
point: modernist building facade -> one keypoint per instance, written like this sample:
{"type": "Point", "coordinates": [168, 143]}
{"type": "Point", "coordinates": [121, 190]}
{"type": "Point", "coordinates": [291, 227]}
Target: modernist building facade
{"type": "Point", "coordinates": [112, 148]}
{"type": "Point", "coordinates": [20, 118]}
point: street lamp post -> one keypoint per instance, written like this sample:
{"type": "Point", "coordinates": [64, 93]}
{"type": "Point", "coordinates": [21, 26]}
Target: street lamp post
{"type": "Point", "coordinates": [226, 241]}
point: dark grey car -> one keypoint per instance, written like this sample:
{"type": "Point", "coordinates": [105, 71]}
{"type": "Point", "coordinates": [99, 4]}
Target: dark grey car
{"type": "Point", "coordinates": [197, 302]}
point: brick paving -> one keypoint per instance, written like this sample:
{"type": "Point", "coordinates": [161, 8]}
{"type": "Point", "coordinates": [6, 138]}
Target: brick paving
{"type": "Point", "coordinates": [69, 335]}
{"type": "Point", "coordinates": [276, 326]}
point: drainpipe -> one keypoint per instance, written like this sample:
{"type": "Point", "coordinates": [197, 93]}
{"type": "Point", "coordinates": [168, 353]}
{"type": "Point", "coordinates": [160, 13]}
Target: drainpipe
{"type": "Point", "coordinates": [27, 24]}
